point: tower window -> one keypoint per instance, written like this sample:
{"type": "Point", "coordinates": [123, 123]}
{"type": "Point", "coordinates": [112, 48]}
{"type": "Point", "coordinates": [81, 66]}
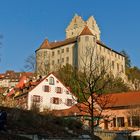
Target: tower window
{"type": "Point", "coordinates": [67, 59]}
{"type": "Point", "coordinates": [53, 62]}
{"type": "Point", "coordinates": [62, 59]}
{"type": "Point", "coordinates": [67, 49]}
{"type": "Point", "coordinates": [117, 66]}
{"type": "Point", "coordinates": [113, 64]}
{"type": "Point", "coordinates": [62, 50]}
{"type": "Point", "coordinates": [52, 53]}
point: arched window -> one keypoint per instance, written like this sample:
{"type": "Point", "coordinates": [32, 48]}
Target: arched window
{"type": "Point", "coordinates": [51, 81]}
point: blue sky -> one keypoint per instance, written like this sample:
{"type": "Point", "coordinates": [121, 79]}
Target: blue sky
{"type": "Point", "coordinates": [24, 25]}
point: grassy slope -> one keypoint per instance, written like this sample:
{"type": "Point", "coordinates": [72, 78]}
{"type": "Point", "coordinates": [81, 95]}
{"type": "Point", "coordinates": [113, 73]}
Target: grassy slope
{"type": "Point", "coordinates": [27, 122]}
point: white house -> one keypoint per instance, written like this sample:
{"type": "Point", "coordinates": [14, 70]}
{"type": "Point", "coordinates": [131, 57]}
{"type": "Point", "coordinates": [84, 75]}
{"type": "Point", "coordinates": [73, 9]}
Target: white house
{"type": "Point", "coordinates": [50, 94]}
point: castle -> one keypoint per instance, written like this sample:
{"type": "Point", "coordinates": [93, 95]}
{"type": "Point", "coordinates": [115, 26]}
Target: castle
{"type": "Point", "coordinates": [80, 35]}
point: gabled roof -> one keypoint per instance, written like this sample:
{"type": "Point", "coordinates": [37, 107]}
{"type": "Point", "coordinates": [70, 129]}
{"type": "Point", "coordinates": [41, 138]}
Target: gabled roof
{"type": "Point", "coordinates": [42, 81]}
{"type": "Point", "coordinates": [86, 31]}
{"type": "Point", "coordinates": [52, 45]}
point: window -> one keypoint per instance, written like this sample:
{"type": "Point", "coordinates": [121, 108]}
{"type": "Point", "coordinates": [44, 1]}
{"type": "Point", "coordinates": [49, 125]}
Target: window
{"type": "Point", "coordinates": [53, 62]}
{"type": "Point", "coordinates": [36, 98]}
{"type": "Point", "coordinates": [46, 88]}
{"type": "Point", "coordinates": [113, 64]}
{"type": "Point", "coordinates": [69, 102]}
{"type": "Point", "coordinates": [135, 121]}
{"type": "Point", "coordinates": [55, 100]}
{"type": "Point", "coordinates": [122, 69]}
{"type": "Point", "coordinates": [86, 38]}
{"type": "Point", "coordinates": [58, 51]}
{"type": "Point", "coordinates": [62, 50]}
{"type": "Point", "coordinates": [120, 121]}
{"type": "Point", "coordinates": [51, 81]}
{"type": "Point", "coordinates": [58, 61]}
{"type": "Point", "coordinates": [67, 59]}
{"type": "Point", "coordinates": [129, 121]}
{"type": "Point", "coordinates": [117, 67]}
{"type": "Point", "coordinates": [52, 53]}
{"type": "Point", "coordinates": [62, 60]}
{"type": "Point", "coordinates": [58, 90]}
{"type": "Point", "coordinates": [114, 122]}
{"type": "Point", "coordinates": [67, 49]}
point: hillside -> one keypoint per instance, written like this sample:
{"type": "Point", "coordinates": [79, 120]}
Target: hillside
{"type": "Point", "coordinates": [28, 122]}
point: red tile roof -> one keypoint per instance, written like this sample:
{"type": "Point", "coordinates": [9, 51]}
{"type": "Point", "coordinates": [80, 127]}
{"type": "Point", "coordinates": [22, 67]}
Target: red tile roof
{"type": "Point", "coordinates": [52, 45]}
{"type": "Point", "coordinates": [86, 31]}
{"type": "Point", "coordinates": [45, 44]}
{"type": "Point", "coordinates": [125, 99]}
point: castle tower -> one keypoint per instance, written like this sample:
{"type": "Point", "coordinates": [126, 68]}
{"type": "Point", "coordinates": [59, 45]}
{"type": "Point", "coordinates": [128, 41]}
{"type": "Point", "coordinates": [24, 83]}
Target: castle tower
{"type": "Point", "coordinates": [77, 25]}
{"type": "Point", "coordinates": [43, 58]}
{"type": "Point", "coordinates": [86, 47]}
{"type": "Point", "coordinates": [91, 23]}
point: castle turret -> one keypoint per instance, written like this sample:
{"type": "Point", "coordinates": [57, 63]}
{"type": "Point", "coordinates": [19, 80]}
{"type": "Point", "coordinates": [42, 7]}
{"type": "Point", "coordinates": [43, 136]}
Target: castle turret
{"type": "Point", "coordinates": [42, 58]}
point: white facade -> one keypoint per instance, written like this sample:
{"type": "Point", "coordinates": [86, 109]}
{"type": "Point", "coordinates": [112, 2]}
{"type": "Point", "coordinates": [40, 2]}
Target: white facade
{"type": "Point", "coordinates": [51, 94]}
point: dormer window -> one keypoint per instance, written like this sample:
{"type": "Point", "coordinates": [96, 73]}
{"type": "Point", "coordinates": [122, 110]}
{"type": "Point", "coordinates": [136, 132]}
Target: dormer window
{"type": "Point", "coordinates": [51, 81]}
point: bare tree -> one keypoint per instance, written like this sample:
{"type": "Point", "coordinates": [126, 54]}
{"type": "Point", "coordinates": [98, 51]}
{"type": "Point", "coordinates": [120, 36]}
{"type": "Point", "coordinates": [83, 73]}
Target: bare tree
{"type": "Point", "coordinates": [92, 79]}
{"type": "Point", "coordinates": [30, 63]}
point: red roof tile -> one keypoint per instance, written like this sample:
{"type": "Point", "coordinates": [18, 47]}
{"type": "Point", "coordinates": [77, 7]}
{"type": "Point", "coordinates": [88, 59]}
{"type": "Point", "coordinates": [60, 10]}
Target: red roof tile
{"type": "Point", "coordinates": [125, 99]}
{"type": "Point", "coordinates": [86, 31]}
{"type": "Point", "coordinates": [52, 45]}
{"type": "Point", "coordinates": [45, 44]}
